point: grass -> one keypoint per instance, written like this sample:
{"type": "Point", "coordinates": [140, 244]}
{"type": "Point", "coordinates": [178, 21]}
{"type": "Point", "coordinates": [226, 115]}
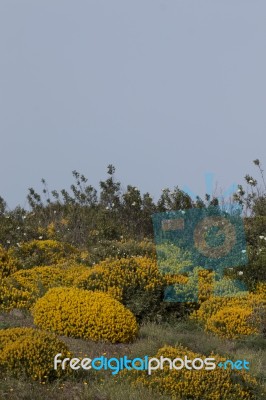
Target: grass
{"type": "Point", "coordinates": [107, 389]}
{"type": "Point", "coordinates": [102, 385]}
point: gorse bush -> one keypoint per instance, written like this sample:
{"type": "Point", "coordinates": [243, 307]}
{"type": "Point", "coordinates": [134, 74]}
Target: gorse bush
{"type": "Point", "coordinates": [217, 384]}
{"type": "Point", "coordinates": [24, 287]}
{"type": "Point", "coordinates": [30, 352]}
{"type": "Point", "coordinates": [85, 265]}
{"type": "Point", "coordinates": [135, 281]}
{"type": "Point", "coordinates": [12, 297]}
{"type": "Point", "coordinates": [85, 314]}
{"type": "Point", "coordinates": [232, 317]}
{"type": "Point", "coordinates": [232, 322]}
{"type": "Point", "coordinates": [8, 264]}
{"type": "Point", "coordinates": [42, 252]}
{"type": "Point", "coordinates": [126, 274]}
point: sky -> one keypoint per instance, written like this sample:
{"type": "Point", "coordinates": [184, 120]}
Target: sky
{"type": "Point", "coordinates": [165, 90]}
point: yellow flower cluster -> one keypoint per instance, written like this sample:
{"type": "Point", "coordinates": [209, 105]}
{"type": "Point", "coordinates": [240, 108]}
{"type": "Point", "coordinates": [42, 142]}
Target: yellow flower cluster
{"type": "Point", "coordinates": [11, 297]}
{"type": "Point", "coordinates": [30, 352]}
{"type": "Point", "coordinates": [206, 284]}
{"type": "Point", "coordinates": [7, 263]}
{"type": "Point", "coordinates": [217, 384]}
{"type": "Point", "coordinates": [231, 322]}
{"type": "Point", "coordinates": [118, 276]}
{"type": "Point", "coordinates": [22, 289]}
{"type": "Point", "coordinates": [231, 317]}
{"type": "Point", "coordinates": [42, 252]}
{"type": "Point", "coordinates": [85, 314]}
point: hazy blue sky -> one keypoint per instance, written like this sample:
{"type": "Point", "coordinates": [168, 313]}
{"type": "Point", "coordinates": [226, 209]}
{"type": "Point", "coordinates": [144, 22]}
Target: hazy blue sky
{"type": "Point", "coordinates": [166, 90]}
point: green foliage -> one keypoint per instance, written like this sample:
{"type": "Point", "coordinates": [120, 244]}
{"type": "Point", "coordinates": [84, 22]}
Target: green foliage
{"type": "Point", "coordinates": [85, 226]}
{"type": "Point", "coordinates": [41, 252]}
{"type": "Point", "coordinates": [121, 249]}
{"type": "Point", "coordinates": [253, 198]}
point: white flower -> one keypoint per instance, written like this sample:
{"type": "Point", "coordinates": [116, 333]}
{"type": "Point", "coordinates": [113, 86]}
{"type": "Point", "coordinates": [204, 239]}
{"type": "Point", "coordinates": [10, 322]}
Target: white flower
{"type": "Point", "coordinates": [239, 190]}
{"type": "Point", "coordinates": [18, 244]}
{"type": "Point", "coordinates": [134, 203]}
{"type": "Point", "coordinates": [40, 237]}
{"type": "Point", "coordinates": [261, 237]}
{"type": "Point", "coordinates": [107, 208]}
{"type": "Point", "coordinates": [18, 227]}
{"type": "Point", "coordinates": [54, 211]}
{"type": "Point", "coordinates": [135, 188]}
{"type": "Point", "coordinates": [8, 241]}
{"type": "Point", "coordinates": [244, 251]}
{"type": "Point", "coordinates": [240, 272]}
{"type": "Point", "coordinates": [251, 181]}
{"type": "Point", "coordinates": [24, 234]}
{"type": "Point", "coordinates": [24, 216]}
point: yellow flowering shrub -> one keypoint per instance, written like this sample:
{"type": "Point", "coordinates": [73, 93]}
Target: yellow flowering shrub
{"type": "Point", "coordinates": [261, 289]}
{"type": "Point", "coordinates": [11, 335]}
{"type": "Point", "coordinates": [258, 316]}
{"type": "Point", "coordinates": [7, 263]}
{"type": "Point", "coordinates": [30, 352]}
{"type": "Point", "coordinates": [125, 273]}
{"type": "Point", "coordinates": [231, 317]}
{"type": "Point", "coordinates": [135, 281]}
{"type": "Point", "coordinates": [217, 384]}
{"type": "Point", "coordinates": [85, 314]}
{"type": "Point", "coordinates": [11, 297]}
{"type": "Point", "coordinates": [42, 252]}
{"type": "Point", "coordinates": [231, 322]}
{"type": "Point", "coordinates": [24, 287]}
{"type": "Point", "coordinates": [205, 284]}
